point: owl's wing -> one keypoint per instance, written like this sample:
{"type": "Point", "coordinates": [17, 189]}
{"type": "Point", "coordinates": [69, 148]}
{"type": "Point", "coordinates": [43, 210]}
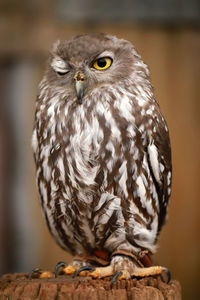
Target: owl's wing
{"type": "Point", "coordinates": [159, 159]}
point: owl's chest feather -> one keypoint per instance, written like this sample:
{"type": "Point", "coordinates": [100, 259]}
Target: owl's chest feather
{"type": "Point", "coordinates": [85, 137]}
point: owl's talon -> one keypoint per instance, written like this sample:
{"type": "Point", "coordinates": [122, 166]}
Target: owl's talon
{"type": "Point", "coordinates": [58, 266]}
{"type": "Point", "coordinates": [167, 272]}
{"type": "Point", "coordinates": [84, 268]}
{"type": "Point", "coordinates": [115, 277]}
{"type": "Point", "coordinates": [35, 273]}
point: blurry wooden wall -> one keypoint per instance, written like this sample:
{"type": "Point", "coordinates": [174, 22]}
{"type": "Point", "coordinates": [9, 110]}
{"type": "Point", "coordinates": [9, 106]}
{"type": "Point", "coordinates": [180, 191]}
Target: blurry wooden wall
{"type": "Point", "coordinates": [173, 55]}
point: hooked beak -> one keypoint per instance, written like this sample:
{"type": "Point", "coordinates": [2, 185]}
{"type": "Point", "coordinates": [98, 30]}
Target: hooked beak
{"type": "Point", "coordinates": [79, 79]}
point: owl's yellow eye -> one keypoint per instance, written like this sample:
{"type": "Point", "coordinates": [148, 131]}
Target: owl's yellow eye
{"type": "Point", "coordinates": [102, 63]}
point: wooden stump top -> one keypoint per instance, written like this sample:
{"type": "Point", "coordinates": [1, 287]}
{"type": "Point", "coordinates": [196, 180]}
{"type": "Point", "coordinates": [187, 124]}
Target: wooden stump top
{"type": "Point", "coordinates": [18, 286]}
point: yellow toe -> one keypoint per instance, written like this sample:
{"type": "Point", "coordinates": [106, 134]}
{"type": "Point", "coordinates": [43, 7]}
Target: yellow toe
{"type": "Point", "coordinates": [69, 270]}
{"type": "Point", "coordinates": [46, 274]}
{"type": "Point", "coordinates": [101, 272]}
{"type": "Point", "coordinates": [145, 272]}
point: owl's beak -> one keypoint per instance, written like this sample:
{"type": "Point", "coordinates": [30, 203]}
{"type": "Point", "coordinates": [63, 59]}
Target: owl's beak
{"type": "Point", "coordinates": [79, 79]}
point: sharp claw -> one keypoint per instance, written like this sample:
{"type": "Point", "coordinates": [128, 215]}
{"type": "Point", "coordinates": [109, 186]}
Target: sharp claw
{"type": "Point", "coordinates": [58, 265]}
{"type": "Point", "coordinates": [168, 273]}
{"type": "Point", "coordinates": [168, 276]}
{"type": "Point", "coordinates": [117, 274]}
{"type": "Point", "coordinates": [34, 271]}
{"type": "Point", "coordinates": [84, 268]}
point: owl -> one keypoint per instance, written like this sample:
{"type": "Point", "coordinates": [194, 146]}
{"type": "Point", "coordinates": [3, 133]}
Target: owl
{"type": "Point", "coordinates": [102, 155]}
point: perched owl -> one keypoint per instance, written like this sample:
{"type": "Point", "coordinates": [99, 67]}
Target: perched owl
{"type": "Point", "coordinates": [102, 154]}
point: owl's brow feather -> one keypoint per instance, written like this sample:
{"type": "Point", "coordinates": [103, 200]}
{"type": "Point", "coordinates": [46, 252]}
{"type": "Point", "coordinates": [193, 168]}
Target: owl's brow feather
{"type": "Point", "coordinates": [59, 65]}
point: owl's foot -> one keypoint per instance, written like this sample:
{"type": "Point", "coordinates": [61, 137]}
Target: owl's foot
{"type": "Point", "coordinates": [82, 264]}
{"type": "Point", "coordinates": [125, 273]}
{"type": "Point", "coordinates": [125, 265]}
{"type": "Point", "coordinates": [77, 267]}
{"type": "Point", "coordinates": [38, 273]}
{"type": "Point", "coordinates": [61, 268]}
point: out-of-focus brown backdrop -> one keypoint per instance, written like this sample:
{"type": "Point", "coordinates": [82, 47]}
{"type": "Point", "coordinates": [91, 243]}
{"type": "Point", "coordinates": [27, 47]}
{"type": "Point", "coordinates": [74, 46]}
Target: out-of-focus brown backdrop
{"type": "Point", "coordinates": [167, 37]}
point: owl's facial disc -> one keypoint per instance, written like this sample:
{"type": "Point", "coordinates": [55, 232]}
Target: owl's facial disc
{"type": "Point", "coordinates": [79, 79]}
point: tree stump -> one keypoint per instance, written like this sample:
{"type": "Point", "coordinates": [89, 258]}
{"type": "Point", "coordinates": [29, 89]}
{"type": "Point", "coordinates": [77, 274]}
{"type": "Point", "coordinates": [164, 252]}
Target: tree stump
{"type": "Point", "coordinates": [18, 286]}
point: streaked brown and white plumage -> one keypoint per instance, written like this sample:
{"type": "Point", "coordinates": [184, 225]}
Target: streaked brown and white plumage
{"type": "Point", "coordinates": [103, 160]}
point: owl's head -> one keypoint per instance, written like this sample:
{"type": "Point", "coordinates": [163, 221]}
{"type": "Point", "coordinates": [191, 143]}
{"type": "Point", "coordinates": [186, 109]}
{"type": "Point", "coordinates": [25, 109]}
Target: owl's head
{"type": "Point", "coordinates": [84, 62]}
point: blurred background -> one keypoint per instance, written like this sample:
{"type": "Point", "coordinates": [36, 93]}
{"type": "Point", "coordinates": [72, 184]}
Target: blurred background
{"type": "Point", "coordinates": [166, 34]}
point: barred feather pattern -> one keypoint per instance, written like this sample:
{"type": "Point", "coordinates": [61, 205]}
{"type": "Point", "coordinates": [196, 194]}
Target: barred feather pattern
{"type": "Point", "coordinates": [103, 166]}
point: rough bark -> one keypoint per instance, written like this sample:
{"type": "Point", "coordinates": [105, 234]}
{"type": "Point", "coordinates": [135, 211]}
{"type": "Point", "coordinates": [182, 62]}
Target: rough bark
{"type": "Point", "coordinates": [19, 287]}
